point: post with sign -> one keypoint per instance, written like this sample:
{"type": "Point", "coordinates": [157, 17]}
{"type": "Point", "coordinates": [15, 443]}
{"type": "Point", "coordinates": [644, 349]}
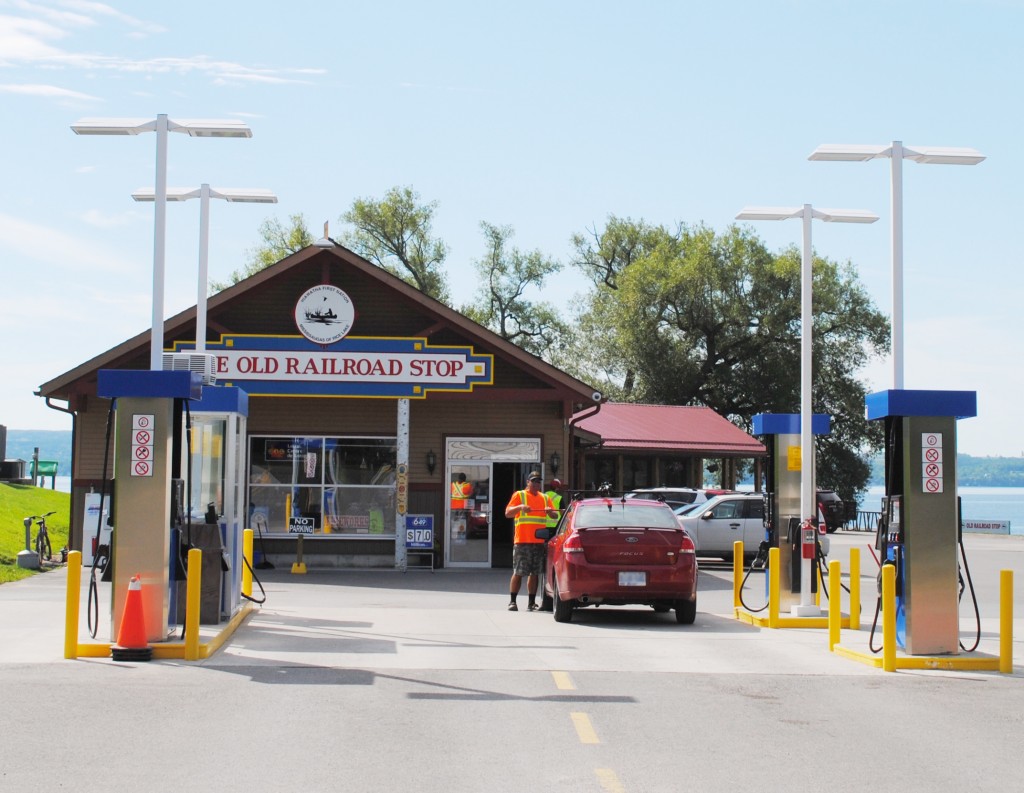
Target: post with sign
{"type": "Point", "coordinates": [419, 540]}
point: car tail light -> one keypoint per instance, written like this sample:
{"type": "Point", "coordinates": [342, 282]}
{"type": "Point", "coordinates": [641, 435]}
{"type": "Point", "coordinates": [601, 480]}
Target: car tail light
{"type": "Point", "coordinates": [687, 546]}
{"type": "Point", "coordinates": [572, 544]}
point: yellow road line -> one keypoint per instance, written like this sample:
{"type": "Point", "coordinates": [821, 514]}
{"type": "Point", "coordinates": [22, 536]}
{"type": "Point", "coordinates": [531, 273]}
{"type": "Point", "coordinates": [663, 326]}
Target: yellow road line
{"type": "Point", "coordinates": [609, 781]}
{"type": "Point", "coordinates": [563, 682]}
{"type": "Point", "coordinates": [584, 729]}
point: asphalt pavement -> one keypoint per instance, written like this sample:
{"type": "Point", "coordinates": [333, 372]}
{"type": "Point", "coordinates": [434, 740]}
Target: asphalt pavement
{"type": "Point", "coordinates": [382, 680]}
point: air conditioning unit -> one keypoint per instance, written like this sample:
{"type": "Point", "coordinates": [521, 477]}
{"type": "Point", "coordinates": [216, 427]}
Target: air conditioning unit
{"type": "Point", "coordinates": [201, 362]}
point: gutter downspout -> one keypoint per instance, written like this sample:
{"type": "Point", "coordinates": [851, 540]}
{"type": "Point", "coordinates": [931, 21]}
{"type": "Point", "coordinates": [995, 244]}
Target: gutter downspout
{"type": "Point", "coordinates": [572, 439]}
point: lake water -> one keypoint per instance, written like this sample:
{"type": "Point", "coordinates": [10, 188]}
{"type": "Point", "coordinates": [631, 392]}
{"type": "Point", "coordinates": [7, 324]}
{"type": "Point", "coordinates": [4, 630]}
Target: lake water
{"type": "Point", "coordinates": [979, 503]}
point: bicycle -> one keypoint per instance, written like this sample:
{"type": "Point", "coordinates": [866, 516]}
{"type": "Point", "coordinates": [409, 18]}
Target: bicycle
{"type": "Point", "coordinates": [42, 543]}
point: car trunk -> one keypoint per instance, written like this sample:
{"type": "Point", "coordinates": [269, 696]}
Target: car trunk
{"type": "Point", "coordinates": [631, 546]}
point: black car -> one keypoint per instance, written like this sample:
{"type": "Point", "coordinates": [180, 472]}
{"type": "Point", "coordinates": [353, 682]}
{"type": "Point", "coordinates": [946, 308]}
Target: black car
{"type": "Point", "coordinates": [833, 508]}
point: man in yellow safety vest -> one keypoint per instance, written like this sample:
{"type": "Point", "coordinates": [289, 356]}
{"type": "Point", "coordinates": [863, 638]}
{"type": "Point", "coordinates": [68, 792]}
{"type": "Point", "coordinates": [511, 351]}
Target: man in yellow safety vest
{"type": "Point", "coordinates": [530, 508]}
{"type": "Point", "coordinates": [554, 495]}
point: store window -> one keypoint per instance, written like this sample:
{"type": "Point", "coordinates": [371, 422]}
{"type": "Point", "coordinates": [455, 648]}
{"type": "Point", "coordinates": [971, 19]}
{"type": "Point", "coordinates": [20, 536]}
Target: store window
{"type": "Point", "coordinates": [322, 485]}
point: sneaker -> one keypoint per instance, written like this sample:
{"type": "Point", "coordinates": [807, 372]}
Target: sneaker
{"type": "Point", "coordinates": [532, 607]}
{"type": "Point", "coordinates": [513, 607]}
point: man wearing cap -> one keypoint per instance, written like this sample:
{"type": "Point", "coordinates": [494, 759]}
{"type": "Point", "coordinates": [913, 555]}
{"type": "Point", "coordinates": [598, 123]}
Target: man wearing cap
{"type": "Point", "coordinates": [530, 508]}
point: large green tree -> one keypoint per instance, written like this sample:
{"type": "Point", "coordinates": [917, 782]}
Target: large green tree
{"type": "Point", "coordinates": [712, 319]}
{"type": "Point", "coordinates": [394, 233]}
{"type": "Point", "coordinates": [502, 303]}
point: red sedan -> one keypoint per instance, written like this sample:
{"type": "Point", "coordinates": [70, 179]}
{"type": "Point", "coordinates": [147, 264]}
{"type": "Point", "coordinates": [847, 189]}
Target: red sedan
{"type": "Point", "coordinates": [614, 551]}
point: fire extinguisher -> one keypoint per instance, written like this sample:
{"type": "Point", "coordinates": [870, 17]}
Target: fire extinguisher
{"type": "Point", "coordinates": [807, 539]}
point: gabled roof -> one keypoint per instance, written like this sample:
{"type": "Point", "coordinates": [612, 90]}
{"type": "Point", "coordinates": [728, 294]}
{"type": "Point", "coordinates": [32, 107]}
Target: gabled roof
{"type": "Point", "coordinates": [675, 428]}
{"type": "Point", "coordinates": [322, 261]}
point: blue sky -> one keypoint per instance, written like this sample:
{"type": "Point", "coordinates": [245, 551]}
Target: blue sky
{"type": "Point", "coordinates": [547, 116]}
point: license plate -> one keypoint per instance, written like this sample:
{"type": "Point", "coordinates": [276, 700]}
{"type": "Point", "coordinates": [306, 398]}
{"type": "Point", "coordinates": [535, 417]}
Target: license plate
{"type": "Point", "coordinates": [632, 579]}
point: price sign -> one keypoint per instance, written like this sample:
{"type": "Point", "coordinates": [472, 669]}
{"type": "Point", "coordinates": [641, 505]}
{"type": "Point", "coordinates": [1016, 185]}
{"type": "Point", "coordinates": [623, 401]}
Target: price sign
{"type": "Point", "coordinates": [419, 531]}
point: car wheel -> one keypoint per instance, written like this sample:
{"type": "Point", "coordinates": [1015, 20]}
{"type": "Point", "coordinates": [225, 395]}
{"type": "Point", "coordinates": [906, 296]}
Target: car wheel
{"type": "Point", "coordinates": [831, 529]}
{"type": "Point", "coordinates": [562, 608]}
{"type": "Point", "coordinates": [686, 611]}
{"type": "Point", "coordinates": [546, 601]}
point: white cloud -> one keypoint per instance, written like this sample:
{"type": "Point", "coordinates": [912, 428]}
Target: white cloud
{"type": "Point", "coordinates": [46, 91]}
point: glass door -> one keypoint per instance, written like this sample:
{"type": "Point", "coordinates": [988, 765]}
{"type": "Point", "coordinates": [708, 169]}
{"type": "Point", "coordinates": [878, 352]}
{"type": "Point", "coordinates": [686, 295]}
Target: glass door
{"type": "Point", "coordinates": [468, 514]}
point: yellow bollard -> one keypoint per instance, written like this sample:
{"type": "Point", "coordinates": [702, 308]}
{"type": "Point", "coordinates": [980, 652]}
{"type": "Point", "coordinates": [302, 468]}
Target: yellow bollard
{"type": "Point", "coordinates": [1006, 622]}
{"type": "Point", "coordinates": [298, 566]}
{"type": "Point", "coordinates": [773, 587]}
{"type": "Point", "coordinates": [889, 617]}
{"type": "Point", "coordinates": [192, 594]}
{"type": "Point", "coordinates": [817, 592]}
{"type": "Point", "coordinates": [737, 572]}
{"type": "Point", "coordinates": [855, 589]}
{"type": "Point", "coordinates": [247, 564]}
{"type": "Point", "coordinates": [835, 606]}
{"type": "Point", "coordinates": [72, 604]}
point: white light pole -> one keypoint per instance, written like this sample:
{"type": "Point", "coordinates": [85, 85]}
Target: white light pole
{"type": "Point", "coordinates": [161, 125]}
{"type": "Point", "coordinates": [897, 153]}
{"type": "Point", "coordinates": [204, 193]}
{"type": "Point", "coordinates": [806, 213]}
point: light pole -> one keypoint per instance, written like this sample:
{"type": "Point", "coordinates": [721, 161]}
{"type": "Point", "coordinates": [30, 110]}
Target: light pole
{"type": "Point", "coordinates": [161, 125]}
{"type": "Point", "coordinates": [204, 193]}
{"type": "Point", "coordinates": [807, 213]}
{"type": "Point", "coordinates": [897, 153]}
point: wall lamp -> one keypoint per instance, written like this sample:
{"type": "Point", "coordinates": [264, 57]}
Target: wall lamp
{"type": "Point", "coordinates": [431, 461]}
{"type": "Point", "coordinates": [556, 462]}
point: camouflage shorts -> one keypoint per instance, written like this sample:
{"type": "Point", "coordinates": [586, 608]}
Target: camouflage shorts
{"type": "Point", "coordinates": [528, 558]}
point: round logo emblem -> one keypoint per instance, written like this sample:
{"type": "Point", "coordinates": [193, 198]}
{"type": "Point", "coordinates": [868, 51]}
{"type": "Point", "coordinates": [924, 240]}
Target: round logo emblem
{"type": "Point", "coordinates": [324, 314]}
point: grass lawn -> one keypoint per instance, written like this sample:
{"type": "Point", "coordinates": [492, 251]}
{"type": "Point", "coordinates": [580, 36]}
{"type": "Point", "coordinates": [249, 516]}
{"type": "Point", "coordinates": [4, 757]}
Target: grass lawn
{"type": "Point", "coordinates": [17, 502]}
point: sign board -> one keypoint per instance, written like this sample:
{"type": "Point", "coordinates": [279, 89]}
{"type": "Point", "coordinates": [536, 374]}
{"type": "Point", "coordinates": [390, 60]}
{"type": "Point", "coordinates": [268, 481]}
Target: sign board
{"type": "Point", "coordinates": [301, 525]}
{"type": "Point", "coordinates": [355, 366]}
{"type": "Point", "coordinates": [419, 531]}
{"type": "Point", "coordinates": [988, 526]}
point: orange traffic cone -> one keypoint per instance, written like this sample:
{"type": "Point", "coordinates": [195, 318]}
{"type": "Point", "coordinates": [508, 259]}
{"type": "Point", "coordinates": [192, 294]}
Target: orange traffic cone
{"type": "Point", "coordinates": [131, 636]}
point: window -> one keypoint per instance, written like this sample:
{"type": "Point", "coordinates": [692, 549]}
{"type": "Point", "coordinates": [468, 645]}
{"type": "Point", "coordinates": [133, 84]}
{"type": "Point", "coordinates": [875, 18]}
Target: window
{"type": "Point", "coordinates": [323, 485]}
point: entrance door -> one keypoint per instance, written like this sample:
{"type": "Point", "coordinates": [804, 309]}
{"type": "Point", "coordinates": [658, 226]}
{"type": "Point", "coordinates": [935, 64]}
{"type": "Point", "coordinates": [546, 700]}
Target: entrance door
{"type": "Point", "coordinates": [469, 514]}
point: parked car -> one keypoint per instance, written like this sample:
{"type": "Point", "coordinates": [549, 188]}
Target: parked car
{"type": "Point", "coordinates": [676, 496]}
{"type": "Point", "coordinates": [738, 516]}
{"type": "Point", "coordinates": [619, 551]}
{"type": "Point", "coordinates": [833, 508]}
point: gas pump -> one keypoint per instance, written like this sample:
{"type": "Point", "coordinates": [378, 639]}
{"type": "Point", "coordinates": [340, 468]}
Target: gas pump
{"type": "Point", "coordinates": [919, 528]}
{"type": "Point", "coordinates": [785, 528]}
{"type": "Point", "coordinates": [145, 435]}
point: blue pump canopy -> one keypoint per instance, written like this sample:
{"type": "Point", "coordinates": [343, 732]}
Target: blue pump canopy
{"type": "Point", "coordinates": [901, 402]}
{"type": "Point", "coordinates": [789, 424]}
{"type": "Point", "coordinates": [148, 383]}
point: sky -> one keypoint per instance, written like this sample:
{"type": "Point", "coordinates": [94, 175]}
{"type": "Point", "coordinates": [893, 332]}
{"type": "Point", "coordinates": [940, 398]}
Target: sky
{"type": "Point", "coordinates": [545, 116]}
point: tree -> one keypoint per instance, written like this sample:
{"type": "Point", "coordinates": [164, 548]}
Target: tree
{"type": "Point", "coordinates": [604, 255]}
{"type": "Point", "coordinates": [506, 274]}
{"type": "Point", "coordinates": [278, 242]}
{"type": "Point", "coordinates": [715, 320]}
{"type": "Point", "coordinates": [394, 234]}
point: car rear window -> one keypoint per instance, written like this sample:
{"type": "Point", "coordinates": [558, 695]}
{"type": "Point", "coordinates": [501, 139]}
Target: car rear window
{"type": "Point", "coordinates": [590, 516]}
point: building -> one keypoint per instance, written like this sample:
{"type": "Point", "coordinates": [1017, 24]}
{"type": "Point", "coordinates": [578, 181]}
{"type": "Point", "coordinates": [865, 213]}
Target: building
{"type": "Point", "coordinates": [348, 369]}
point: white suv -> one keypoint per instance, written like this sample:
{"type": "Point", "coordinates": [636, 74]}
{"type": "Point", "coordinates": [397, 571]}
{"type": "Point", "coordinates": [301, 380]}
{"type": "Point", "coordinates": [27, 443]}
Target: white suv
{"type": "Point", "coordinates": [716, 525]}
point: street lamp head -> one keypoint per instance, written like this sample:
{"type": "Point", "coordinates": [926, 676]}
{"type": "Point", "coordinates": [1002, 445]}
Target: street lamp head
{"type": "Point", "coordinates": [788, 213]}
{"type": "Point", "coordinates": [229, 194]}
{"type": "Point", "coordinates": [197, 128]}
{"type": "Point", "coordinates": [770, 213]}
{"type": "Point", "coordinates": [932, 155]}
{"type": "Point", "coordinates": [837, 152]}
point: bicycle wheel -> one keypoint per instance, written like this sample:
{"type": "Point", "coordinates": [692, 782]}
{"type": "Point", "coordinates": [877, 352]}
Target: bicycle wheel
{"type": "Point", "coordinates": [43, 547]}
